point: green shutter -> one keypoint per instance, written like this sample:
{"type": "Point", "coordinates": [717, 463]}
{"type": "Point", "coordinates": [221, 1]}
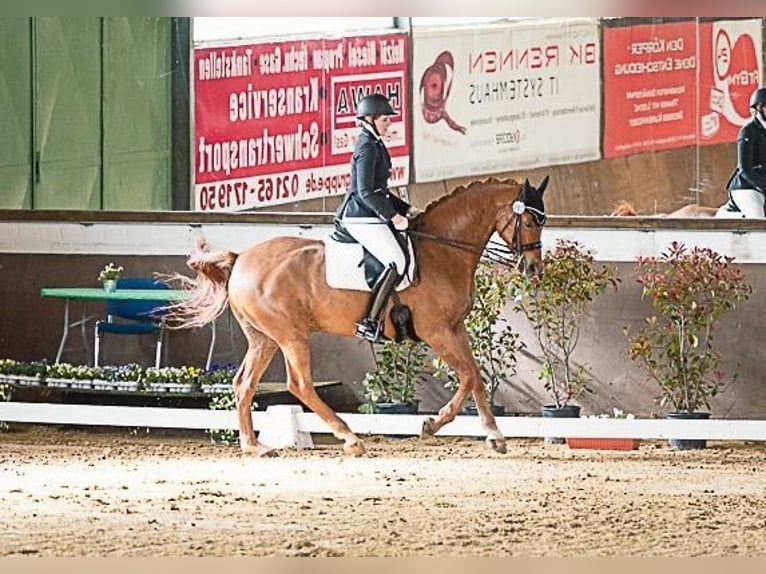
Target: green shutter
{"type": "Point", "coordinates": [68, 117]}
{"type": "Point", "coordinates": [15, 117]}
{"type": "Point", "coordinates": [137, 82]}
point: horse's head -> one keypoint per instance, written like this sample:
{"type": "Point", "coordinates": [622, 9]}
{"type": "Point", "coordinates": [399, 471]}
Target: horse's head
{"type": "Point", "coordinates": [520, 224]}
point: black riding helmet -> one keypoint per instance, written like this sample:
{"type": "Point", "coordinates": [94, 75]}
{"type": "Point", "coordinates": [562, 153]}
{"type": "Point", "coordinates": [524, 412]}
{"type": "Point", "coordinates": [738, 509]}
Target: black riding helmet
{"type": "Point", "coordinates": [374, 105]}
{"type": "Point", "coordinates": [758, 97]}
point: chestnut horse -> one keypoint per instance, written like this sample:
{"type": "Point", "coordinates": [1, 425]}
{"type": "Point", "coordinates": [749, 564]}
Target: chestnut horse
{"type": "Point", "coordinates": [626, 209]}
{"type": "Point", "coordinates": [278, 293]}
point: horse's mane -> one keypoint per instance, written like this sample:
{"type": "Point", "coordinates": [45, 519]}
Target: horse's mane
{"type": "Point", "coordinates": [461, 189]}
{"type": "Point", "coordinates": [624, 209]}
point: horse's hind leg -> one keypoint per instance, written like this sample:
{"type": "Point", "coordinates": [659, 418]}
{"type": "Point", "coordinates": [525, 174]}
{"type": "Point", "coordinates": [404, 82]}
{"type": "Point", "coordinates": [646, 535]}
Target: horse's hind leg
{"type": "Point", "coordinates": [455, 350]}
{"type": "Point", "coordinates": [300, 384]}
{"type": "Point", "coordinates": [260, 350]}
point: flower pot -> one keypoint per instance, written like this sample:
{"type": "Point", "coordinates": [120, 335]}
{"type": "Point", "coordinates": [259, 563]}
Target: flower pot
{"type": "Point", "coordinates": [497, 410]}
{"type": "Point", "coordinates": [604, 443]}
{"type": "Point", "coordinates": [110, 285]}
{"type": "Point", "coordinates": [25, 380]}
{"type": "Point", "coordinates": [396, 408]}
{"type": "Point", "coordinates": [565, 412]}
{"type": "Point", "coordinates": [688, 443]}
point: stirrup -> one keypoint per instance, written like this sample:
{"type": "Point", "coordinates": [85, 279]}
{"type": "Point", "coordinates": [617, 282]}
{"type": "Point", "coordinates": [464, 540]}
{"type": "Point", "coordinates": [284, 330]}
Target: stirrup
{"type": "Point", "coordinates": [370, 330]}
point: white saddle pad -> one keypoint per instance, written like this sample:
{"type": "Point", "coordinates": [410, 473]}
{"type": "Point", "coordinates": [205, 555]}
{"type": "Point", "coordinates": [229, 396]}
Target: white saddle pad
{"type": "Point", "coordinates": [345, 269]}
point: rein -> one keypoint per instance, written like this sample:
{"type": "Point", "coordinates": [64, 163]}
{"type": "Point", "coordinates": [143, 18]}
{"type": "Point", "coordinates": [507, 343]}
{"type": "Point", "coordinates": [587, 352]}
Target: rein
{"type": "Point", "coordinates": [496, 251]}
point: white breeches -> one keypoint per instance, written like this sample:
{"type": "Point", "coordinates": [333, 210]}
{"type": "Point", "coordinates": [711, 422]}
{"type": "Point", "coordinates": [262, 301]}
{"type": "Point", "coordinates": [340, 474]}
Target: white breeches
{"type": "Point", "coordinates": [749, 201]}
{"type": "Point", "coordinates": [378, 239]}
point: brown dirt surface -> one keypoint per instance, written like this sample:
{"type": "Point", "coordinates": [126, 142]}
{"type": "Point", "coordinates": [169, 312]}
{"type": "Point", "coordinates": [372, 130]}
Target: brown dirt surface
{"type": "Point", "coordinates": [107, 492]}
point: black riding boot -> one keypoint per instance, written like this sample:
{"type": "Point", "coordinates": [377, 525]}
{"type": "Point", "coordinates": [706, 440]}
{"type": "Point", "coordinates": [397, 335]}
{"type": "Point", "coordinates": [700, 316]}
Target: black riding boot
{"type": "Point", "coordinates": [371, 327]}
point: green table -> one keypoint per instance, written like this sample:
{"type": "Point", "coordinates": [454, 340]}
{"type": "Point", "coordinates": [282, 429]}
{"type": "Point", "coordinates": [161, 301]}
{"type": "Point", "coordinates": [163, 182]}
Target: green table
{"type": "Point", "coordinates": [98, 294]}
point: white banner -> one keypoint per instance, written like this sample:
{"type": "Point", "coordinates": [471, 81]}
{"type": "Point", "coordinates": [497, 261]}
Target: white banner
{"type": "Point", "coordinates": [505, 97]}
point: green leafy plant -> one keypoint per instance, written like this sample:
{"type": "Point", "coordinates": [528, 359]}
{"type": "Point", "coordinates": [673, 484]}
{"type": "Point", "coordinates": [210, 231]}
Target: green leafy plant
{"type": "Point", "coordinates": [216, 377]}
{"type": "Point", "coordinates": [555, 303]}
{"type": "Point", "coordinates": [689, 289]}
{"type": "Point", "coordinates": [5, 395]}
{"type": "Point", "coordinates": [494, 344]}
{"type": "Point", "coordinates": [399, 367]}
{"type": "Point", "coordinates": [224, 402]}
{"type": "Point", "coordinates": [110, 272]}
{"type": "Point", "coordinates": [131, 372]}
{"type": "Point", "coordinates": [31, 369]}
{"type": "Point", "coordinates": [69, 371]}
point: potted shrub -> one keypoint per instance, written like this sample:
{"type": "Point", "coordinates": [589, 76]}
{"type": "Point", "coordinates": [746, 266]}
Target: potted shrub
{"type": "Point", "coordinates": [225, 401]}
{"type": "Point", "coordinates": [7, 370]}
{"type": "Point", "coordinates": [390, 388]}
{"type": "Point", "coordinates": [555, 303]}
{"type": "Point", "coordinates": [218, 378]}
{"type": "Point", "coordinates": [171, 379]}
{"type": "Point", "coordinates": [689, 290]}
{"type": "Point", "coordinates": [22, 373]}
{"type": "Point", "coordinates": [494, 344]}
{"type": "Point", "coordinates": [126, 377]}
{"type": "Point", "coordinates": [109, 276]}
{"type": "Point", "coordinates": [67, 375]}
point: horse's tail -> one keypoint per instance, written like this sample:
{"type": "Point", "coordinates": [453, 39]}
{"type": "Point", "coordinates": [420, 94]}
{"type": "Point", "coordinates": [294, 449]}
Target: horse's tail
{"type": "Point", "coordinates": [207, 294]}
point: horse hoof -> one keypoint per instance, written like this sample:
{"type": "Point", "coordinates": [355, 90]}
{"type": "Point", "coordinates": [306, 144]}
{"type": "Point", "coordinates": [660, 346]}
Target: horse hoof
{"type": "Point", "coordinates": [428, 428]}
{"type": "Point", "coordinates": [355, 448]}
{"type": "Point", "coordinates": [259, 450]}
{"type": "Point", "coordinates": [497, 445]}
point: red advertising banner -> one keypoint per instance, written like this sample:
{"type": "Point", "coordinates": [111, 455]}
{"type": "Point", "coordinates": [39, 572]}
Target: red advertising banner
{"type": "Point", "coordinates": [650, 77]}
{"type": "Point", "coordinates": [730, 70]}
{"type": "Point", "coordinates": [275, 122]}
{"type": "Point", "coordinates": [677, 84]}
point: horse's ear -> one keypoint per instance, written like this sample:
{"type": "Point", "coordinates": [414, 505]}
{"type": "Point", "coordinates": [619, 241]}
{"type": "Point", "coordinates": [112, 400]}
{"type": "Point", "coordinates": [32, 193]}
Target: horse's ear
{"type": "Point", "coordinates": [526, 188]}
{"type": "Point", "coordinates": [543, 184]}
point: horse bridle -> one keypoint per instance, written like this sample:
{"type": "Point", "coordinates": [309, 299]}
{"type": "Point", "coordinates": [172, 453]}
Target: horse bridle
{"type": "Point", "coordinates": [519, 207]}
{"type": "Point", "coordinates": [495, 250]}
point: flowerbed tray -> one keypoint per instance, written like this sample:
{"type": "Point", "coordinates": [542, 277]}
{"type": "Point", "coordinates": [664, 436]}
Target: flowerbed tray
{"type": "Point", "coordinates": [604, 443]}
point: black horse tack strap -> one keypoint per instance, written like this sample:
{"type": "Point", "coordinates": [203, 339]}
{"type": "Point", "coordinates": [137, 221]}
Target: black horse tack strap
{"type": "Point", "coordinates": [497, 251]}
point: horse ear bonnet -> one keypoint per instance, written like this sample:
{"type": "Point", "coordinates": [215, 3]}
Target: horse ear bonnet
{"type": "Point", "coordinates": [533, 197]}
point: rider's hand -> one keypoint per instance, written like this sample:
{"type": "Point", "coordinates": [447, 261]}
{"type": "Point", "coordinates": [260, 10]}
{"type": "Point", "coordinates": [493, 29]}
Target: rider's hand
{"type": "Point", "coordinates": [413, 212]}
{"type": "Point", "coordinates": [400, 222]}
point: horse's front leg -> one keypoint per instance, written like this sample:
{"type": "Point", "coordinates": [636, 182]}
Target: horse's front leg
{"type": "Point", "coordinates": [455, 350]}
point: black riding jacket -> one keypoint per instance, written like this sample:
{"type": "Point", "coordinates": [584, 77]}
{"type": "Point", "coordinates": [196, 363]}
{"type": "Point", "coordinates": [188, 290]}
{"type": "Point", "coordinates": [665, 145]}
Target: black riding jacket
{"type": "Point", "coordinates": [368, 194]}
{"type": "Point", "coordinates": [751, 158]}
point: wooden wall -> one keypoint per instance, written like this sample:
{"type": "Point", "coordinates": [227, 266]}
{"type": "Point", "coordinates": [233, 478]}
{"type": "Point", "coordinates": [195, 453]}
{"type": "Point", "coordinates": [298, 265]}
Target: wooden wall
{"type": "Point", "coordinates": [657, 182]}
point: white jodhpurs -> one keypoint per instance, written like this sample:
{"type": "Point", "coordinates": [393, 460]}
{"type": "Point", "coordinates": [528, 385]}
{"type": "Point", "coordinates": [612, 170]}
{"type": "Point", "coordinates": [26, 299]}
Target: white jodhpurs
{"type": "Point", "coordinates": [749, 201]}
{"type": "Point", "coordinates": [378, 239]}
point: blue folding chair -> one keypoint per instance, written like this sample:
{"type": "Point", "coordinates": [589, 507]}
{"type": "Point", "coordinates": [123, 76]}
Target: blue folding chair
{"type": "Point", "coordinates": [133, 317]}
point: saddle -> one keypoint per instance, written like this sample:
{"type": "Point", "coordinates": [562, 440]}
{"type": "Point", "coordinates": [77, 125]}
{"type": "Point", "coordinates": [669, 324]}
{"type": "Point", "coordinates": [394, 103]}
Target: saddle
{"type": "Point", "coordinates": [348, 265]}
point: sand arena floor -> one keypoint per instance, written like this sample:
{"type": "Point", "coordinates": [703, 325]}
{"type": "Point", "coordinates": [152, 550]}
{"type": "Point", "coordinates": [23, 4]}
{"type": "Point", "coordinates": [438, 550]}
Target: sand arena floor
{"type": "Point", "coordinates": [70, 492]}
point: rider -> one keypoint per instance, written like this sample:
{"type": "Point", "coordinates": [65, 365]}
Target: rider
{"type": "Point", "coordinates": [747, 185]}
{"type": "Point", "coordinates": [370, 212]}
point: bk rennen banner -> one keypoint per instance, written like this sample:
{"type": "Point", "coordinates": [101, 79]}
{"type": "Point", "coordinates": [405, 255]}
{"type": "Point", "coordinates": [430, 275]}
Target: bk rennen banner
{"type": "Point", "coordinates": [505, 96]}
{"type": "Point", "coordinates": [677, 84]}
{"type": "Point", "coordinates": [275, 122]}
